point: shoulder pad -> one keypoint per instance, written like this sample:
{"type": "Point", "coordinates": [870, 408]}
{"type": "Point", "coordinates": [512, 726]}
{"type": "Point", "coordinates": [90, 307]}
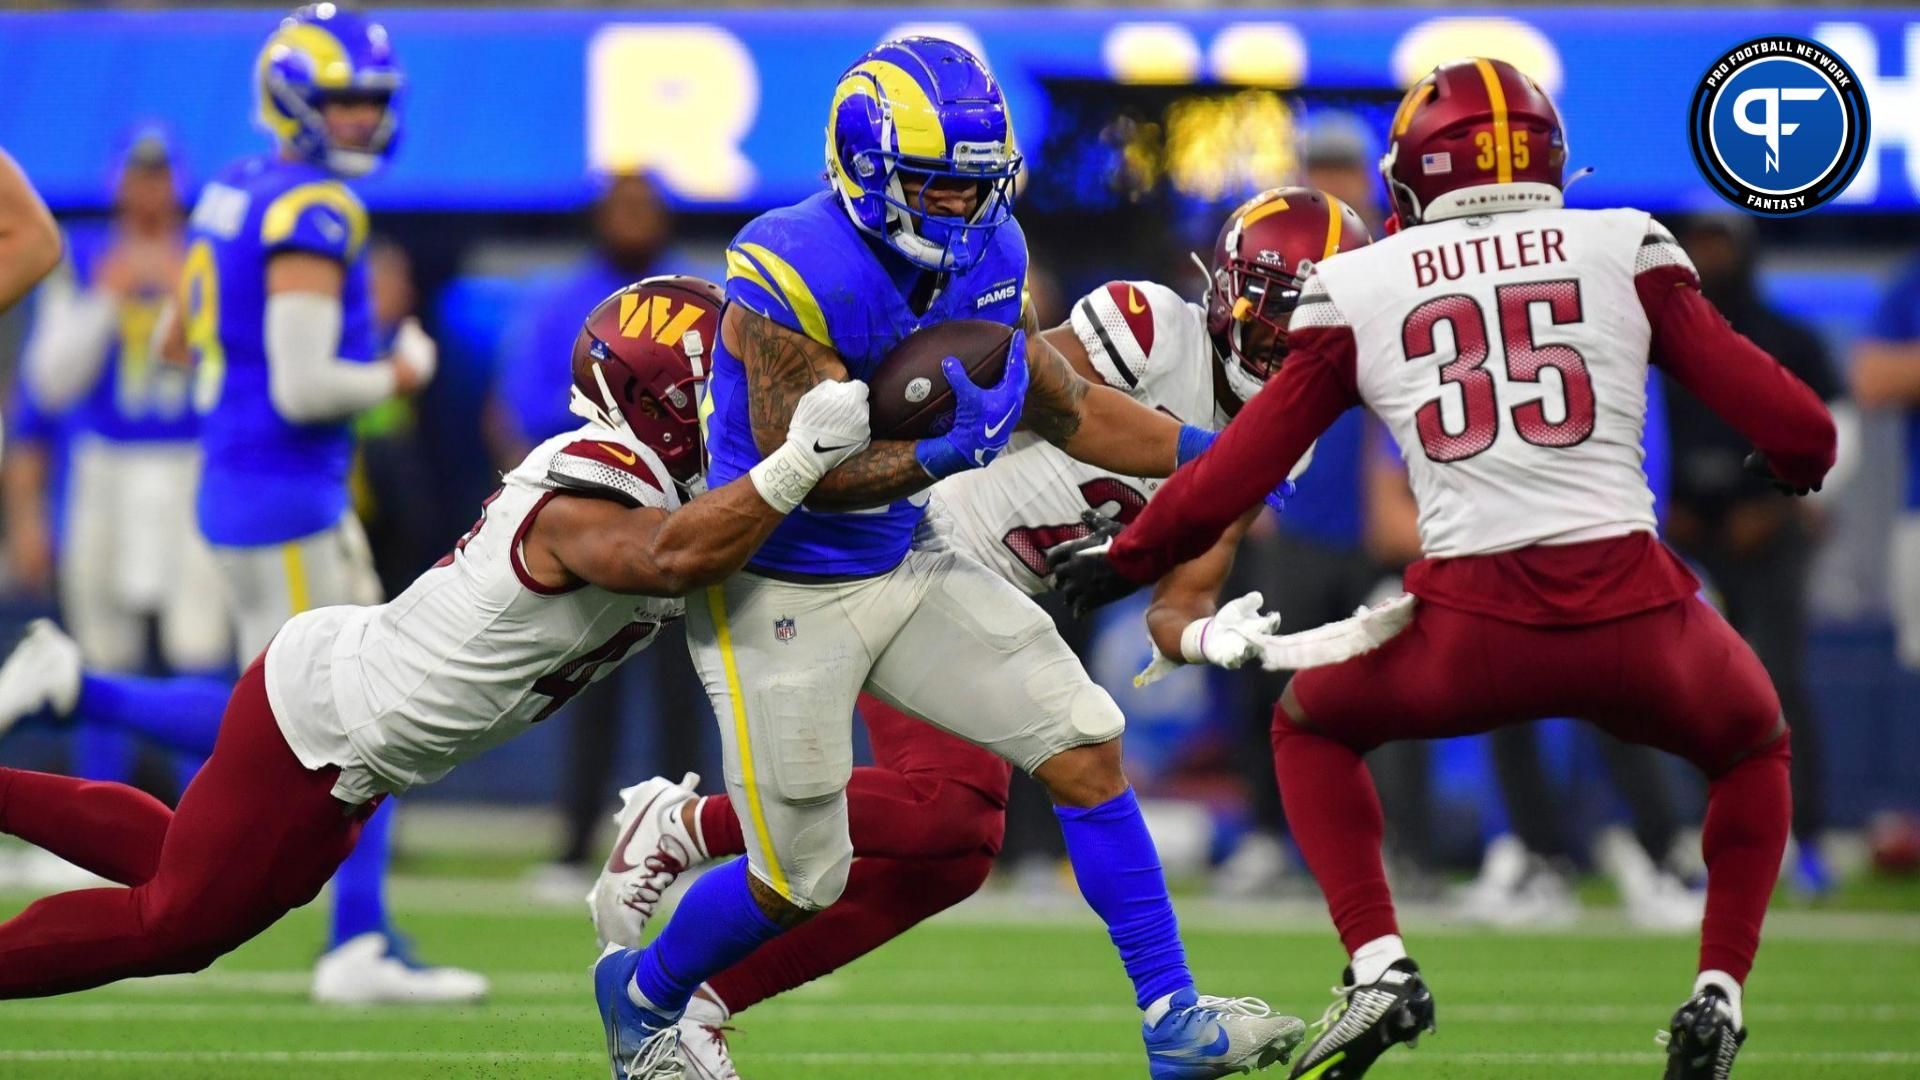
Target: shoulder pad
{"type": "Point", "coordinates": [1316, 308]}
{"type": "Point", "coordinates": [608, 470]}
{"type": "Point", "coordinates": [762, 274]}
{"type": "Point", "coordinates": [1119, 323]}
{"type": "Point", "coordinates": [321, 216]}
{"type": "Point", "coordinates": [1658, 248]}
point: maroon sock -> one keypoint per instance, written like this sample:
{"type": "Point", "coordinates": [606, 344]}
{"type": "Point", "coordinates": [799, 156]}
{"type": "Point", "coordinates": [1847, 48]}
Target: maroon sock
{"type": "Point", "coordinates": [1334, 814]}
{"type": "Point", "coordinates": [108, 829]}
{"type": "Point", "coordinates": [884, 898]}
{"type": "Point", "coordinates": [1749, 811]}
{"type": "Point", "coordinates": [720, 827]}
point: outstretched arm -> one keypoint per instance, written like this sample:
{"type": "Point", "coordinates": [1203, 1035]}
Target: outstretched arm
{"type": "Point", "coordinates": [1069, 407]}
{"type": "Point", "coordinates": [650, 551]}
{"type": "Point", "coordinates": [1190, 592]}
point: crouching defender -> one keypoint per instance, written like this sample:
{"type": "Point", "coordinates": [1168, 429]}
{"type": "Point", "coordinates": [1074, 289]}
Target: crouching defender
{"type": "Point", "coordinates": [576, 562]}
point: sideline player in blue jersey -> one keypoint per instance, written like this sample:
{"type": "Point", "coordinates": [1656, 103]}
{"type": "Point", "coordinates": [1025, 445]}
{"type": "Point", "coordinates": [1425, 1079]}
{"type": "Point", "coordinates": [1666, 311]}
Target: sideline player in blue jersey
{"type": "Point", "coordinates": [275, 316]}
{"type": "Point", "coordinates": [916, 230]}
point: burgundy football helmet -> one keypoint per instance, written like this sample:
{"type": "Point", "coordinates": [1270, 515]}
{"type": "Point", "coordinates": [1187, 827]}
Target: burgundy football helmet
{"type": "Point", "coordinates": [1260, 260]}
{"type": "Point", "coordinates": [1474, 137]}
{"type": "Point", "coordinates": [640, 363]}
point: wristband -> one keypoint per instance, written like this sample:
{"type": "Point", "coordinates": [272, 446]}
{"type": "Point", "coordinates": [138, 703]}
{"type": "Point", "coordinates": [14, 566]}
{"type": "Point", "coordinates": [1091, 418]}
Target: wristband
{"type": "Point", "coordinates": [1193, 641]}
{"type": "Point", "coordinates": [1193, 442]}
{"type": "Point", "coordinates": [785, 477]}
{"type": "Point", "coordinates": [940, 457]}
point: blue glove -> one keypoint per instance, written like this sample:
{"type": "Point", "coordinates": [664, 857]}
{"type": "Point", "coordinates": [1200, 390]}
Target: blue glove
{"type": "Point", "coordinates": [984, 418]}
{"type": "Point", "coordinates": [1277, 498]}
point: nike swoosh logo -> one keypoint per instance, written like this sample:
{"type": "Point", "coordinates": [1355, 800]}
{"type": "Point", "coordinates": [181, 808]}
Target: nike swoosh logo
{"type": "Point", "coordinates": [1218, 1046]}
{"type": "Point", "coordinates": [617, 862]}
{"type": "Point", "coordinates": [818, 449]}
{"type": "Point", "coordinates": [625, 457]}
{"type": "Point", "coordinates": [995, 429]}
{"type": "Point", "coordinates": [1134, 306]}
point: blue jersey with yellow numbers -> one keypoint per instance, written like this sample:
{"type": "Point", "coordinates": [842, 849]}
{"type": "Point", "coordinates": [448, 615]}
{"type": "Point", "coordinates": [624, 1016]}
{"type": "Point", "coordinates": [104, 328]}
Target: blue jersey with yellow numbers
{"type": "Point", "coordinates": [133, 400]}
{"type": "Point", "coordinates": [807, 268]}
{"type": "Point", "coordinates": [266, 480]}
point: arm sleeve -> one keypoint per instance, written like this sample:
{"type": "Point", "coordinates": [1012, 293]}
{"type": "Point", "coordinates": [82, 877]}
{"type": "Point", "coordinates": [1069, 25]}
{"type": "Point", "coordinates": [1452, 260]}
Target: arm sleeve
{"type": "Point", "coordinates": [72, 331]}
{"type": "Point", "coordinates": [1731, 375]}
{"type": "Point", "coordinates": [1252, 456]}
{"type": "Point", "coordinates": [307, 382]}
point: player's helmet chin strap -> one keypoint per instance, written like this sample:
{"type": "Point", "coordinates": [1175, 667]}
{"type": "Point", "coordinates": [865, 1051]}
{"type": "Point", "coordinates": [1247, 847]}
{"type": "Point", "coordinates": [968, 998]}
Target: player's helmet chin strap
{"type": "Point", "coordinates": [602, 412]}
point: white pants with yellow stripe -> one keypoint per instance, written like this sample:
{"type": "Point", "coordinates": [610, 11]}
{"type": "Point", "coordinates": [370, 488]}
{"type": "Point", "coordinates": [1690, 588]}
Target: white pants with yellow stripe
{"type": "Point", "coordinates": [940, 637]}
{"type": "Point", "coordinates": [271, 583]}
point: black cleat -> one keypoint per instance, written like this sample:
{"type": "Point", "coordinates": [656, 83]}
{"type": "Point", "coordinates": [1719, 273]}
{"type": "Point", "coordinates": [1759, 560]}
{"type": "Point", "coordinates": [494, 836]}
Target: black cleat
{"type": "Point", "coordinates": [1703, 1042]}
{"type": "Point", "coordinates": [1365, 1022]}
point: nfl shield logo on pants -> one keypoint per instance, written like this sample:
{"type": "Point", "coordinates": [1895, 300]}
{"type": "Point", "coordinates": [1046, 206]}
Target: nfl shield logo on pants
{"type": "Point", "coordinates": [783, 629]}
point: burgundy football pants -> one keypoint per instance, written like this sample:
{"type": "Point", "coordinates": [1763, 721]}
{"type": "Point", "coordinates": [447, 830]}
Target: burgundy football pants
{"type": "Point", "coordinates": [926, 820]}
{"type": "Point", "coordinates": [255, 836]}
{"type": "Point", "coordinates": [1677, 678]}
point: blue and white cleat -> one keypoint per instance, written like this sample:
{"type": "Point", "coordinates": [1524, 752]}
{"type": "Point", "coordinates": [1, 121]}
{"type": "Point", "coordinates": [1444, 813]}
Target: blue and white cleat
{"type": "Point", "coordinates": [1202, 1037]}
{"type": "Point", "coordinates": [641, 1044]}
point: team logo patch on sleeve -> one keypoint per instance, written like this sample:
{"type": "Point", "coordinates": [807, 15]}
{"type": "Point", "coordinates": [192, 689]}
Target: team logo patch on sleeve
{"type": "Point", "coordinates": [1779, 126]}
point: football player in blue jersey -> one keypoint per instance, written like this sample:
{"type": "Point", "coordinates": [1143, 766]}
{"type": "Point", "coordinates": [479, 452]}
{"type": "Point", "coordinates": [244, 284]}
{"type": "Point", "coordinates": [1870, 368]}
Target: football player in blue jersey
{"type": "Point", "coordinates": [275, 316]}
{"type": "Point", "coordinates": [916, 229]}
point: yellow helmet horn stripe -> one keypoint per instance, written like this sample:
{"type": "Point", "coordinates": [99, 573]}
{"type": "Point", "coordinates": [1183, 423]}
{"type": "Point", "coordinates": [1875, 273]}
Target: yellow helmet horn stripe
{"type": "Point", "coordinates": [331, 69]}
{"type": "Point", "coordinates": [1502, 144]}
{"type": "Point", "coordinates": [1335, 211]}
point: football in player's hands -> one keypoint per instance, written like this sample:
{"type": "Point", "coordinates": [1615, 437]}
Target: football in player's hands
{"type": "Point", "coordinates": [1758, 465]}
{"type": "Point", "coordinates": [1079, 570]}
{"type": "Point", "coordinates": [912, 398]}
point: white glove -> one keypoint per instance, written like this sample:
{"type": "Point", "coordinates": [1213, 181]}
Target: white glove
{"type": "Point", "coordinates": [1366, 630]}
{"type": "Point", "coordinates": [415, 351]}
{"type": "Point", "coordinates": [1228, 638]}
{"type": "Point", "coordinates": [829, 426]}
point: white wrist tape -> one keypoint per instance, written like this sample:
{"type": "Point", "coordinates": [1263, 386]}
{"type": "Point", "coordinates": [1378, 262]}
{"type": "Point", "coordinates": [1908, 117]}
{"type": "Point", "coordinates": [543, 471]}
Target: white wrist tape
{"type": "Point", "coordinates": [1192, 641]}
{"type": "Point", "coordinates": [786, 476]}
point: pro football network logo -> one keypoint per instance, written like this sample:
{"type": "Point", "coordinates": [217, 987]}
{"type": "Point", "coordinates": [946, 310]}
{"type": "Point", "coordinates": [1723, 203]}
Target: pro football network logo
{"type": "Point", "coordinates": [1779, 125]}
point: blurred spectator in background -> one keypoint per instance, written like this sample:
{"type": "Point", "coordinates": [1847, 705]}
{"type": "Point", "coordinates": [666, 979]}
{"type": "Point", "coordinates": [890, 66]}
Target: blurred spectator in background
{"type": "Point", "coordinates": [1756, 548]}
{"type": "Point", "coordinates": [1339, 156]}
{"type": "Point", "coordinates": [632, 229]}
{"type": "Point", "coordinates": [29, 240]}
{"type": "Point", "coordinates": [391, 471]}
{"type": "Point", "coordinates": [1886, 375]}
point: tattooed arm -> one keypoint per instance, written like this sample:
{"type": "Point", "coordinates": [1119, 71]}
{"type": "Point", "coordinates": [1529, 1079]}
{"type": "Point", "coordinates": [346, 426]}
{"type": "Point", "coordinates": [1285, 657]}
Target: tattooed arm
{"type": "Point", "coordinates": [781, 365]}
{"type": "Point", "coordinates": [1070, 407]}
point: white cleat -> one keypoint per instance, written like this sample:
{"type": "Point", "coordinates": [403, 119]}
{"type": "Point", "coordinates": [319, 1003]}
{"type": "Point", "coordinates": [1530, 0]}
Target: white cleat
{"type": "Point", "coordinates": [366, 970]}
{"type": "Point", "coordinates": [1516, 888]}
{"type": "Point", "coordinates": [42, 672]}
{"type": "Point", "coordinates": [656, 845]}
{"type": "Point", "coordinates": [1654, 898]}
{"type": "Point", "coordinates": [703, 1040]}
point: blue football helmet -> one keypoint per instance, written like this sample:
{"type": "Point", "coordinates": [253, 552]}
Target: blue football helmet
{"type": "Point", "coordinates": [324, 52]}
{"type": "Point", "coordinates": [926, 106]}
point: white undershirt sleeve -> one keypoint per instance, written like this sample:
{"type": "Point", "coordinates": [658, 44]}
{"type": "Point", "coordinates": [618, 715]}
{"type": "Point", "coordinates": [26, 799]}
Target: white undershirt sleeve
{"type": "Point", "coordinates": [307, 380]}
{"type": "Point", "coordinates": [72, 333]}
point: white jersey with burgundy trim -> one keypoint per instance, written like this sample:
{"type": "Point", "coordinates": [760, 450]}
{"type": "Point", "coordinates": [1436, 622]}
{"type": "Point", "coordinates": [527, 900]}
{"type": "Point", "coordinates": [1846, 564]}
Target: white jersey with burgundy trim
{"type": "Point", "coordinates": [475, 650]}
{"type": "Point", "coordinates": [1508, 354]}
{"type": "Point", "coordinates": [1144, 340]}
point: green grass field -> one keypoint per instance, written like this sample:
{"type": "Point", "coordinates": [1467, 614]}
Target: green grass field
{"type": "Point", "coordinates": [997, 990]}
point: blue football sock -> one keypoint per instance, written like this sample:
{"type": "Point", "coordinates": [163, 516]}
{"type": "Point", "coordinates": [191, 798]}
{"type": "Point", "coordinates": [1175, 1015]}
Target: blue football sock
{"type": "Point", "coordinates": [714, 928]}
{"type": "Point", "coordinates": [1119, 874]}
{"type": "Point", "coordinates": [180, 712]}
{"type": "Point", "coordinates": [359, 886]}
{"type": "Point", "coordinates": [102, 752]}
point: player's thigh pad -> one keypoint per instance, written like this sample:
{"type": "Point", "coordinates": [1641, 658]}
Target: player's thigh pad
{"type": "Point", "coordinates": [782, 664]}
{"type": "Point", "coordinates": [271, 583]}
{"type": "Point", "coordinates": [977, 657]}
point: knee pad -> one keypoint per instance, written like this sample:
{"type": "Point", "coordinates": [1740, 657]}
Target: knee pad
{"type": "Point", "coordinates": [813, 848]}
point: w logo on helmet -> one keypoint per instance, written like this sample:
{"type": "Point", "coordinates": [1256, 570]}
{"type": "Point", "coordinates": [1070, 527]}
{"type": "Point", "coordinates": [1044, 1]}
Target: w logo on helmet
{"type": "Point", "coordinates": [656, 316]}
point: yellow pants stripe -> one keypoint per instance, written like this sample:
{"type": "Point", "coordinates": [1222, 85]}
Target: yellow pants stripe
{"type": "Point", "coordinates": [299, 597]}
{"type": "Point", "coordinates": [717, 607]}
